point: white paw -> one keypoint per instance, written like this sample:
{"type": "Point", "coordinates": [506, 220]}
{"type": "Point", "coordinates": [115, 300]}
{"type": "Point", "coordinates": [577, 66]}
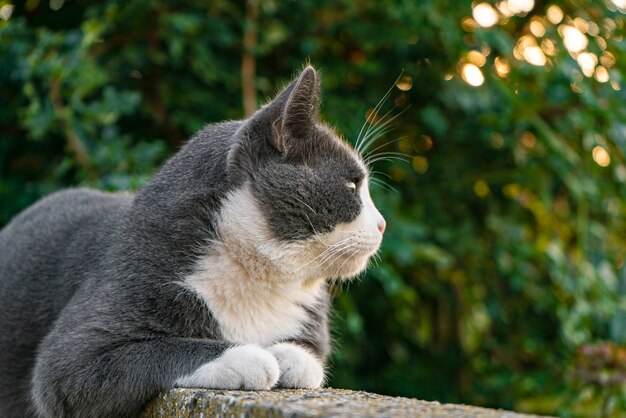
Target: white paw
{"type": "Point", "coordinates": [248, 367]}
{"type": "Point", "coordinates": [298, 367]}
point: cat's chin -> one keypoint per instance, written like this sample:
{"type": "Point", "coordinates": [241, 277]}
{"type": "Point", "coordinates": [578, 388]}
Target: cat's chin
{"type": "Point", "coordinates": [353, 267]}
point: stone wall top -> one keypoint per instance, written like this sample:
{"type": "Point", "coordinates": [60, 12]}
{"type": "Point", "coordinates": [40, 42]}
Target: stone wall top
{"type": "Point", "coordinates": [201, 403]}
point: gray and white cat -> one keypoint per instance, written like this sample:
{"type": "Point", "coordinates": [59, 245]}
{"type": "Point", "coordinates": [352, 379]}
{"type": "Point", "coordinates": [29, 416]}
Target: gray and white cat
{"type": "Point", "coordinates": [212, 275]}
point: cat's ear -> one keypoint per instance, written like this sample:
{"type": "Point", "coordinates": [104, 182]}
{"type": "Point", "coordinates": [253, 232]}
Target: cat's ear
{"type": "Point", "coordinates": [303, 106]}
{"type": "Point", "coordinates": [296, 108]}
{"type": "Point", "coordinates": [277, 126]}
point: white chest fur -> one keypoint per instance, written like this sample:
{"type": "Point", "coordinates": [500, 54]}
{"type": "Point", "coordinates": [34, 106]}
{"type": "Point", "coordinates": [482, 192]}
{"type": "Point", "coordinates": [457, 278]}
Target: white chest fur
{"type": "Point", "coordinates": [253, 284]}
{"type": "Point", "coordinates": [251, 309]}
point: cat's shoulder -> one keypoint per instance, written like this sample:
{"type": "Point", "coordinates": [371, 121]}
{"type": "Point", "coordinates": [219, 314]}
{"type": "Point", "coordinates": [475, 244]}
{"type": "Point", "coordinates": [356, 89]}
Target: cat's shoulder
{"type": "Point", "coordinates": [216, 133]}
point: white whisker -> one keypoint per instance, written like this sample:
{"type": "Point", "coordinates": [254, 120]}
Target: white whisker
{"type": "Point", "coordinates": [384, 145]}
{"type": "Point", "coordinates": [383, 184]}
{"type": "Point", "coordinates": [371, 129]}
{"type": "Point", "coordinates": [348, 259]}
{"type": "Point", "coordinates": [371, 115]}
{"type": "Point", "coordinates": [386, 153]}
{"type": "Point", "coordinates": [388, 158]}
{"type": "Point", "coordinates": [331, 250]}
{"type": "Point", "coordinates": [385, 125]}
{"type": "Point", "coordinates": [304, 203]}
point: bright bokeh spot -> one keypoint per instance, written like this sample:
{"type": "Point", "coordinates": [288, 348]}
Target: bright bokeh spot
{"type": "Point", "coordinates": [521, 6]}
{"type": "Point", "coordinates": [610, 24]}
{"type": "Point", "coordinates": [424, 143]}
{"type": "Point", "coordinates": [581, 24]}
{"type": "Point", "coordinates": [481, 188]}
{"type": "Point", "coordinates": [472, 75]}
{"type": "Point", "coordinates": [529, 140]}
{"type": "Point", "coordinates": [56, 4]}
{"type": "Point", "coordinates": [537, 28]}
{"type": "Point", "coordinates": [485, 15]}
{"type": "Point", "coordinates": [469, 24]}
{"type": "Point", "coordinates": [405, 83]}
{"type": "Point", "coordinates": [476, 58]}
{"type": "Point", "coordinates": [371, 115]}
{"type": "Point", "coordinates": [574, 39]}
{"type": "Point", "coordinates": [6, 11]}
{"type": "Point", "coordinates": [601, 156]}
{"type": "Point", "coordinates": [420, 164]}
{"type": "Point", "coordinates": [548, 47]}
{"type": "Point", "coordinates": [587, 62]}
{"type": "Point", "coordinates": [504, 8]}
{"type": "Point", "coordinates": [523, 44]}
{"type": "Point", "coordinates": [602, 74]}
{"type": "Point", "coordinates": [619, 3]}
{"type": "Point", "coordinates": [502, 67]}
{"type": "Point", "coordinates": [607, 59]}
{"type": "Point", "coordinates": [555, 14]}
{"type": "Point", "coordinates": [534, 55]}
{"type": "Point", "coordinates": [593, 29]}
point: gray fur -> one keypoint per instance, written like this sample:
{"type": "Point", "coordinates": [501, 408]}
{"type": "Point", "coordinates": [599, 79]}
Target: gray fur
{"type": "Point", "coordinates": [92, 323]}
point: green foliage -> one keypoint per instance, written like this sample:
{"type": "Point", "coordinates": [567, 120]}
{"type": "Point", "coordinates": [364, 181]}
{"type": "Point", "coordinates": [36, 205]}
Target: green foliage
{"type": "Point", "coordinates": [503, 263]}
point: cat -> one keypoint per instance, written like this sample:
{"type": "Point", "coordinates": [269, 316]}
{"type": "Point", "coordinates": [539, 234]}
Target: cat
{"type": "Point", "coordinates": [213, 275]}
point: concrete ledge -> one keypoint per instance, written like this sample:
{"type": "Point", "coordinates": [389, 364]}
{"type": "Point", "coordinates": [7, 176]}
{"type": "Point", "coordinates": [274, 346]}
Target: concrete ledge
{"type": "Point", "coordinates": [200, 403]}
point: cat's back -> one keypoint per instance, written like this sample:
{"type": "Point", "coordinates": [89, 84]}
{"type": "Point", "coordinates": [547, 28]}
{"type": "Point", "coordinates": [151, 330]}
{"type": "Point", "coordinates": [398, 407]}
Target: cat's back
{"type": "Point", "coordinates": [44, 254]}
{"type": "Point", "coordinates": [47, 245]}
{"type": "Point", "coordinates": [53, 224]}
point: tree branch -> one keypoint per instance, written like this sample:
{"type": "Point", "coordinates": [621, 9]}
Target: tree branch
{"type": "Point", "coordinates": [248, 60]}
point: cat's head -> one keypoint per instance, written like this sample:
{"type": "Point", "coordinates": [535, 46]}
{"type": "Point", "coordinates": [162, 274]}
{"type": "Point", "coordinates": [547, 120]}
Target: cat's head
{"type": "Point", "coordinates": [304, 203]}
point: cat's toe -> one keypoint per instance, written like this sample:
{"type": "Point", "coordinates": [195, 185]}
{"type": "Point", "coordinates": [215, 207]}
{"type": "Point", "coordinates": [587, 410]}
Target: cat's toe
{"type": "Point", "coordinates": [298, 367]}
{"type": "Point", "coordinates": [247, 367]}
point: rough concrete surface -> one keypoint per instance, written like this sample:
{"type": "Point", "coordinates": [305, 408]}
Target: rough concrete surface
{"type": "Point", "coordinates": [201, 403]}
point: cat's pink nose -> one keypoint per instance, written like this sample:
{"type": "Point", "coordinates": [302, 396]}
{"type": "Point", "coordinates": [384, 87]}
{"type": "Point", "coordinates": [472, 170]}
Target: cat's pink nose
{"type": "Point", "coordinates": [381, 225]}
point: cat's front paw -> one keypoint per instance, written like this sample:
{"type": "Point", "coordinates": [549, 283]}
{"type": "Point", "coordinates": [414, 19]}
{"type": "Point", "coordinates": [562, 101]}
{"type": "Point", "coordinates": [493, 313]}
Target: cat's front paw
{"type": "Point", "coordinates": [298, 367]}
{"type": "Point", "coordinates": [247, 367]}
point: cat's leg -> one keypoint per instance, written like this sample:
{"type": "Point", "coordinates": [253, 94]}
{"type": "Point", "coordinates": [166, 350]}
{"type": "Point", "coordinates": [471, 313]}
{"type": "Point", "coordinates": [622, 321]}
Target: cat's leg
{"type": "Point", "coordinates": [302, 359]}
{"type": "Point", "coordinates": [299, 367]}
{"type": "Point", "coordinates": [72, 378]}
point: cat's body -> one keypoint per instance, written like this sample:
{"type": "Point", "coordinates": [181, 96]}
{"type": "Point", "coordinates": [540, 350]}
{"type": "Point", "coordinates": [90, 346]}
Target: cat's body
{"type": "Point", "coordinates": [212, 275]}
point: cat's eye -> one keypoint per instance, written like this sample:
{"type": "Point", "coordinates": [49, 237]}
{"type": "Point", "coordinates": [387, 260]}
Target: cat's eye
{"type": "Point", "coordinates": [351, 186]}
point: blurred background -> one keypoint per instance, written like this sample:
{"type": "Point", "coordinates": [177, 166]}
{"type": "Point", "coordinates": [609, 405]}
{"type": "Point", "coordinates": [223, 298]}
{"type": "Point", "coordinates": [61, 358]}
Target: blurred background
{"type": "Point", "coordinates": [502, 279]}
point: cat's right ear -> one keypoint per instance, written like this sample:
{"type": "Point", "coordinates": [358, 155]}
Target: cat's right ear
{"type": "Point", "coordinates": [295, 109]}
{"type": "Point", "coordinates": [277, 126]}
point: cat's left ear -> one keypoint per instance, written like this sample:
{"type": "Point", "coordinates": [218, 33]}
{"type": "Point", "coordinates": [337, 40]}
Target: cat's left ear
{"type": "Point", "coordinates": [298, 109]}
